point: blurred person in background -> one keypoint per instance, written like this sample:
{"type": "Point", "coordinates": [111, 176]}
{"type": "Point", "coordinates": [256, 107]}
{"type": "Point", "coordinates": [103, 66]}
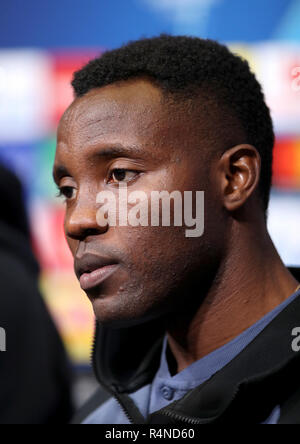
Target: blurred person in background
{"type": "Point", "coordinates": [34, 371]}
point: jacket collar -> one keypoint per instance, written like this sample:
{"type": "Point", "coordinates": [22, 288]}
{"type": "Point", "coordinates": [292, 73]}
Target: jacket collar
{"type": "Point", "coordinates": [125, 360]}
{"type": "Point", "coordinates": [262, 376]}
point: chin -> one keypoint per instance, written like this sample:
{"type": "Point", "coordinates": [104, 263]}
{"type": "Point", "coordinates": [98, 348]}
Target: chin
{"type": "Point", "coordinates": [113, 316]}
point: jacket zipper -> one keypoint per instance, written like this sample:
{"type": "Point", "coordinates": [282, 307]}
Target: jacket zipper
{"type": "Point", "coordinates": [114, 395]}
{"type": "Point", "coordinates": [123, 408]}
{"type": "Point", "coordinates": [191, 420]}
{"type": "Point", "coordinates": [172, 415]}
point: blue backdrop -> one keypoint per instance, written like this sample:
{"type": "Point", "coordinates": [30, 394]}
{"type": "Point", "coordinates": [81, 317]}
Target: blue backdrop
{"type": "Point", "coordinates": [94, 23]}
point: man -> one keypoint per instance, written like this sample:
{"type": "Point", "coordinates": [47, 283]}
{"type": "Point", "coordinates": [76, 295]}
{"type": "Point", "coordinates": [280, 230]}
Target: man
{"type": "Point", "coordinates": [191, 330]}
{"type": "Point", "coordinates": [35, 383]}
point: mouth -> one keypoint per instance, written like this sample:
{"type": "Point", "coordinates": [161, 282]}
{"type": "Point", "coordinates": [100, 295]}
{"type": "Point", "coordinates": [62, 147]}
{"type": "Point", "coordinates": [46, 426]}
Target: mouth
{"type": "Point", "coordinates": [92, 270]}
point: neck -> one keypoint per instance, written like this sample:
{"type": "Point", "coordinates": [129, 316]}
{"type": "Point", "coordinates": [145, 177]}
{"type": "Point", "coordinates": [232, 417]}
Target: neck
{"type": "Point", "coordinates": [251, 281]}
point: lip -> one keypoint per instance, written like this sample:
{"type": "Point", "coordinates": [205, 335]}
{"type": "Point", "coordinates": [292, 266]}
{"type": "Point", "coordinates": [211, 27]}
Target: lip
{"type": "Point", "coordinates": [91, 280]}
{"type": "Point", "coordinates": [91, 270]}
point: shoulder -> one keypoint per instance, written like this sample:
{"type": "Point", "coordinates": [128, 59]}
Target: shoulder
{"type": "Point", "coordinates": [101, 408]}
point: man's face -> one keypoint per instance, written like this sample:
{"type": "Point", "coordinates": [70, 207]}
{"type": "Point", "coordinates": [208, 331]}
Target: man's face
{"type": "Point", "coordinates": [127, 126]}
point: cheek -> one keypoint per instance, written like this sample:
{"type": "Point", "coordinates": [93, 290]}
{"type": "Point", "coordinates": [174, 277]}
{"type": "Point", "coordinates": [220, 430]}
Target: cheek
{"type": "Point", "coordinates": [72, 244]}
{"type": "Point", "coordinates": [157, 251]}
{"type": "Point", "coordinates": [161, 265]}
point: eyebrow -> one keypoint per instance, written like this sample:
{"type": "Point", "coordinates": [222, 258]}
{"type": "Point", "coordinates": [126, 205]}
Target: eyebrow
{"type": "Point", "coordinates": [59, 171]}
{"type": "Point", "coordinates": [118, 151]}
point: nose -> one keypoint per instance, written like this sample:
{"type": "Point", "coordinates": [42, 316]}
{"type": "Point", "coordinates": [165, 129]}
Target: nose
{"type": "Point", "coordinates": [81, 221]}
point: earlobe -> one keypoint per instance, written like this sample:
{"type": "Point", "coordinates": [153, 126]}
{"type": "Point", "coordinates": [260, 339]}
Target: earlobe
{"type": "Point", "coordinates": [239, 170]}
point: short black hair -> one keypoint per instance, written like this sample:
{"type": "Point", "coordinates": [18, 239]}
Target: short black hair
{"type": "Point", "coordinates": [179, 64]}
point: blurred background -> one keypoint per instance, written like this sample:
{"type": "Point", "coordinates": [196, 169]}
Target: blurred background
{"type": "Point", "coordinates": [43, 42]}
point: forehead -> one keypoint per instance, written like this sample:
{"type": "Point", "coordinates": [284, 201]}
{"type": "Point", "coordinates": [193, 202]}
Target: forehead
{"type": "Point", "coordinates": [135, 106]}
{"type": "Point", "coordinates": [134, 114]}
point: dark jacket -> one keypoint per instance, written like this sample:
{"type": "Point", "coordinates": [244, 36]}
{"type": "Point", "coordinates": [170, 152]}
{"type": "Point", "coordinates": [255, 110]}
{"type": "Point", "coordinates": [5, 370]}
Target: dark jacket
{"type": "Point", "coordinates": [264, 375]}
{"type": "Point", "coordinates": [35, 377]}
{"type": "Point", "coordinates": [34, 372]}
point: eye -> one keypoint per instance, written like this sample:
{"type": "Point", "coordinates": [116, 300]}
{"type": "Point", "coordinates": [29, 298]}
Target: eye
{"type": "Point", "coordinates": [122, 175]}
{"type": "Point", "coordinates": [66, 192]}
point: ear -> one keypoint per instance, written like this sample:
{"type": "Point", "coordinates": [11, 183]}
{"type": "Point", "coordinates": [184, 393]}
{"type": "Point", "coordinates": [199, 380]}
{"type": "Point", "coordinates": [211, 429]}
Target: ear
{"type": "Point", "coordinates": [239, 170]}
